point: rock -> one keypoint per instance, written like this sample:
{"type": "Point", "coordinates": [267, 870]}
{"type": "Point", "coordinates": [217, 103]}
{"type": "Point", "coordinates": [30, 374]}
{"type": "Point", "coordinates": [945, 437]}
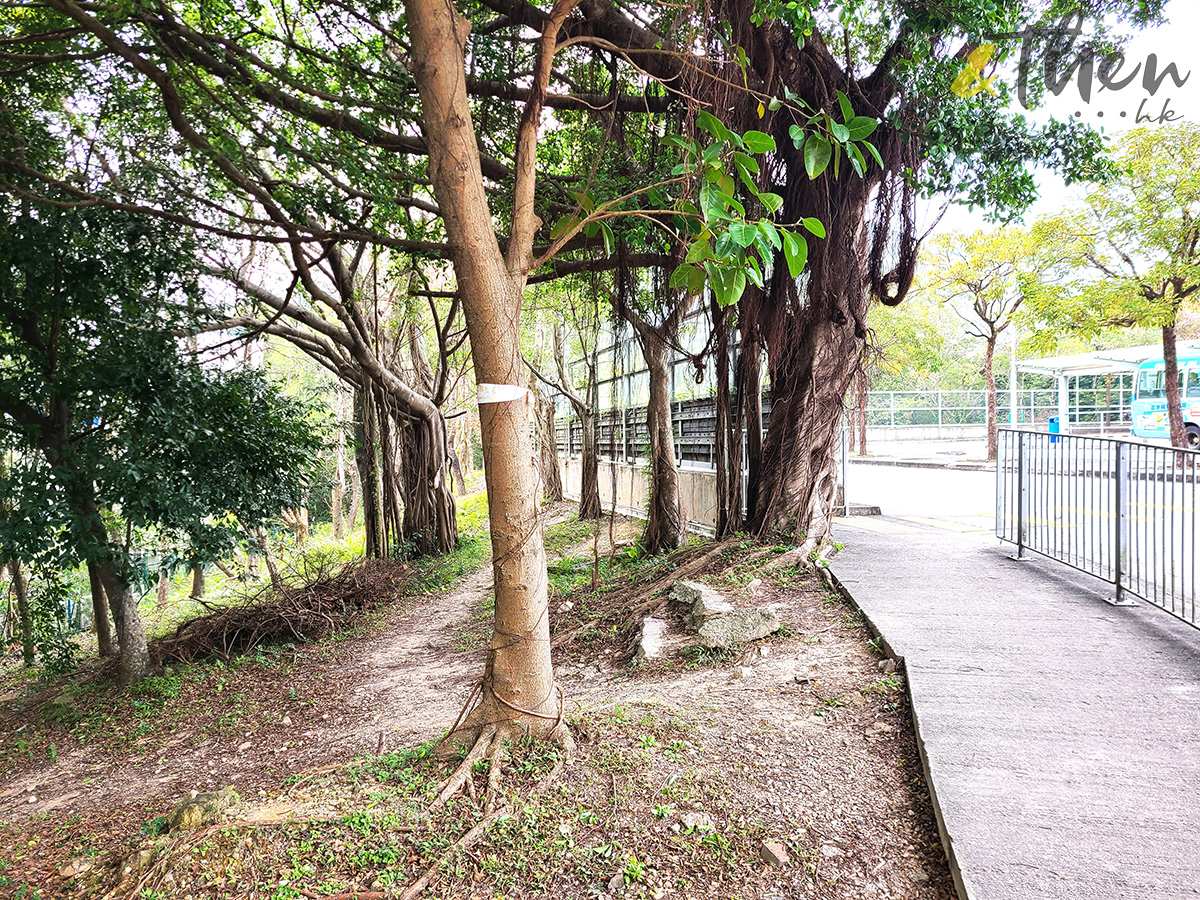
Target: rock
{"type": "Point", "coordinates": [704, 603]}
{"type": "Point", "coordinates": [80, 865]}
{"type": "Point", "coordinates": [878, 729]}
{"type": "Point", "coordinates": [651, 643]}
{"type": "Point", "coordinates": [920, 874]}
{"type": "Point", "coordinates": [774, 853]}
{"type": "Point", "coordinates": [242, 748]}
{"type": "Point", "coordinates": [700, 821]}
{"type": "Point", "coordinates": [287, 720]}
{"type": "Point", "coordinates": [764, 651]}
{"type": "Point", "coordinates": [141, 859]}
{"type": "Point", "coordinates": [199, 810]}
{"type": "Point", "coordinates": [616, 884]}
{"type": "Point", "coordinates": [740, 672]}
{"type": "Point", "coordinates": [754, 584]}
{"type": "Point", "coordinates": [830, 851]}
{"type": "Point", "coordinates": [566, 606]}
{"type": "Point", "coordinates": [738, 627]}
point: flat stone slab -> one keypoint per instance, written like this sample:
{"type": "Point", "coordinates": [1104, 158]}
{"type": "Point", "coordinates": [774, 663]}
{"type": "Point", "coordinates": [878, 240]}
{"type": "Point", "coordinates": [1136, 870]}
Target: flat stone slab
{"type": "Point", "coordinates": [1060, 735]}
{"type": "Point", "coordinates": [738, 627]}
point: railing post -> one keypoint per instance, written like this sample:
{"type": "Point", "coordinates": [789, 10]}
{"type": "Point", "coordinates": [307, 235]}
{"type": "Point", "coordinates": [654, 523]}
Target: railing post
{"type": "Point", "coordinates": [1120, 520]}
{"type": "Point", "coordinates": [1022, 492]}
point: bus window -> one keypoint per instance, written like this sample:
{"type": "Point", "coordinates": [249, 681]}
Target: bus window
{"type": "Point", "coordinates": [1193, 383]}
{"type": "Point", "coordinates": [1152, 385]}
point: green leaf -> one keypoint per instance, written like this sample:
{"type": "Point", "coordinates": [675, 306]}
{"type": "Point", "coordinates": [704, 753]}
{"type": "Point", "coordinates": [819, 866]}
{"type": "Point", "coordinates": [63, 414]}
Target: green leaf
{"type": "Point", "coordinates": [795, 252]}
{"type": "Point", "coordinates": [743, 233]}
{"type": "Point", "coordinates": [758, 142]}
{"type": "Point", "coordinates": [562, 226]}
{"type": "Point", "coordinates": [796, 133]}
{"type": "Point", "coordinates": [681, 275]}
{"type": "Point", "coordinates": [856, 159]}
{"type": "Point", "coordinates": [840, 132]}
{"type": "Point", "coordinates": [706, 121]}
{"type": "Point", "coordinates": [814, 225]}
{"type": "Point", "coordinates": [699, 250]}
{"type": "Point", "coordinates": [847, 109]}
{"type": "Point", "coordinates": [774, 104]}
{"type": "Point", "coordinates": [747, 162]}
{"type": "Point", "coordinates": [771, 232]}
{"type": "Point", "coordinates": [753, 272]}
{"type": "Point", "coordinates": [610, 240]}
{"type": "Point", "coordinates": [772, 203]}
{"type": "Point", "coordinates": [862, 127]}
{"type": "Point", "coordinates": [875, 153]}
{"type": "Point", "coordinates": [817, 152]}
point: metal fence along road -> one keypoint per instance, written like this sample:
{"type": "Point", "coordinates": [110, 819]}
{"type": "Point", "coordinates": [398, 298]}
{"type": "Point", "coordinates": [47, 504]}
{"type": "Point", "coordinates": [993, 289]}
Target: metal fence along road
{"type": "Point", "coordinates": [1122, 511]}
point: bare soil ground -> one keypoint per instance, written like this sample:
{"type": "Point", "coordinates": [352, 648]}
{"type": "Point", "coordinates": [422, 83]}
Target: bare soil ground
{"type": "Point", "coordinates": [685, 767]}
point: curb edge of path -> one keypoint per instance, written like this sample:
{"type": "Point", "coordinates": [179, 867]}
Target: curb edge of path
{"type": "Point", "coordinates": [961, 883]}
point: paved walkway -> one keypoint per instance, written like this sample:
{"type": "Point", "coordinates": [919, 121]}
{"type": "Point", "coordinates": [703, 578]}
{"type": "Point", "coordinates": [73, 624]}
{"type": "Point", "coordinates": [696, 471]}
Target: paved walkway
{"type": "Point", "coordinates": [1061, 734]}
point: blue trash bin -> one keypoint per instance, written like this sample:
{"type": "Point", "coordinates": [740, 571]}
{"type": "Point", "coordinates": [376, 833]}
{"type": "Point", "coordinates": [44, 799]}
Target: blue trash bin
{"type": "Point", "coordinates": [1054, 430]}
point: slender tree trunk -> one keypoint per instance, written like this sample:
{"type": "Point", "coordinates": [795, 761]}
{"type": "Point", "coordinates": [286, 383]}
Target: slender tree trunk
{"type": "Point", "coordinates": [989, 377]}
{"type": "Point", "coordinates": [517, 692]}
{"type": "Point", "coordinates": [134, 654]}
{"type": "Point", "coordinates": [100, 621]}
{"type": "Point", "coordinates": [24, 615]}
{"type": "Point", "coordinates": [164, 589]}
{"type": "Point", "coordinates": [197, 582]}
{"type": "Point", "coordinates": [355, 496]}
{"type": "Point", "coordinates": [728, 437]}
{"type": "Point", "coordinates": [665, 524]}
{"type": "Point", "coordinates": [548, 442]}
{"type": "Point", "coordinates": [589, 465]}
{"type": "Point", "coordinates": [860, 414]}
{"type": "Point", "coordinates": [1171, 375]}
{"type": "Point", "coordinates": [750, 378]}
{"type": "Point", "coordinates": [364, 457]}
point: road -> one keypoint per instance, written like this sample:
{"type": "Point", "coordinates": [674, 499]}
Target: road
{"type": "Point", "coordinates": [963, 501]}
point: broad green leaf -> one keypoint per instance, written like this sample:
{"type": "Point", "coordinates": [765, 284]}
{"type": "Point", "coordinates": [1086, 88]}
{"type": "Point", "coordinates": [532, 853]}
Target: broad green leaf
{"type": "Point", "coordinates": [814, 225]}
{"type": "Point", "coordinates": [706, 121]}
{"type": "Point", "coordinates": [699, 250]}
{"type": "Point", "coordinates": [771, 202]}
{"type": "Point", "coordinates": [681, 275]}
{"type": "Point", "coordinates": [862, 127]}
{"type": "Point", "coordinates": [749, 162]}
{"type": "Point", "coordinates": [743, 233]}
{"type": "Point", "coordinates": [795, 252]}
{"type": "Point", "coordinates": [563, 225]}
{"type": "Point", "coordinates": [758, 141]}
{"type": "Point", "coordinates": [753, 273]}
{"type": "Point", "coordinates": [856, 159]}
{"type": "Point", "coordinates": [840, 132]}
{"type": "Point", "coordinates": [610, 240]}
{"type": "Point", "coordinates": [817, 152]}
{"type": "Point", "coordinates": [796, 133]}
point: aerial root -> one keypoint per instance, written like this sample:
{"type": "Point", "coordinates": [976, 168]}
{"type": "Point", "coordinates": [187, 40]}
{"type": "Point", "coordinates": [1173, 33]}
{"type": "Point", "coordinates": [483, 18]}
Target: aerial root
{"type": "Point", "coordinates": [495, 760]}
{"type": "Point", "coordinates": [462, 774]}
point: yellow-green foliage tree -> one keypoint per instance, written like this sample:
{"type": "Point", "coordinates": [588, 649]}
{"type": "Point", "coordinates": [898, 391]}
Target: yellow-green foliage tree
{"type": "Point", "coordinates": [1131, 256]}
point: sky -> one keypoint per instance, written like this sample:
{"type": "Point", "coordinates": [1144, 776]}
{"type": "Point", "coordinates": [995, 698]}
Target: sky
{"type": "Point", "coordinates": [1174, 42]}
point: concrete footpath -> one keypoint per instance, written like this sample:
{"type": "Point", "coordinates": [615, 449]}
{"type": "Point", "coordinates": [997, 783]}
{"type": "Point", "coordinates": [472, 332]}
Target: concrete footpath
{"type": "Point", "coordinates": [1060, 734]}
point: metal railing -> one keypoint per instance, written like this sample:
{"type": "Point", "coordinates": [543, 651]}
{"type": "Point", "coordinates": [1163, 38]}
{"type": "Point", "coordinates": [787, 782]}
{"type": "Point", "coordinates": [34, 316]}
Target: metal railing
{"type": "Point", "coordinates": [1124, 512]}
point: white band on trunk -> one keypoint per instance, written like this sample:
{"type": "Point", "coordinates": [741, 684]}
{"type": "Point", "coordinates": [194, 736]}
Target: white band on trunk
{"type": "Point", "coordinates": [500, 393]}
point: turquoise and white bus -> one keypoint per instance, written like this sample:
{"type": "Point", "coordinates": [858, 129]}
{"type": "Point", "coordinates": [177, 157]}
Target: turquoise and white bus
{"type": "Point", "coordinates": [1150, 401]}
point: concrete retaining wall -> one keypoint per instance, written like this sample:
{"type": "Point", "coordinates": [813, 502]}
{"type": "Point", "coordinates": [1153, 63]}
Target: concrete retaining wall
{"type": "Point", "coordinates": [697, 490]}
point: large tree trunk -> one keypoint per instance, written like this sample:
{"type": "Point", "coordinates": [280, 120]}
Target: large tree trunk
{"type": "Point", "coordinates": [589, 465]}
{"type": "Point", "coordinates": [1171, 375]}
{"type": "Point", "coordinates": [989, 378]}
{"type": "Point", "coordinates": [24, 615]}
{"type": "Point", "coordinates": [665, 523]}
{"type": "Point", "coordinates": [798, 479]}
{"type": "Point", "coordinates": [517, 692]}
{"type": "Point", "coordinates": [163, 591]}
{"type": "Point", "coordinates": [430, 512]}
{"type": "Point", "coordinates": [100, 621]}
